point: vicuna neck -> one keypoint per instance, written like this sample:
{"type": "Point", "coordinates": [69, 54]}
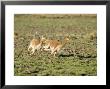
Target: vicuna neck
{"type": "Point", "coordinates": [64, 42]}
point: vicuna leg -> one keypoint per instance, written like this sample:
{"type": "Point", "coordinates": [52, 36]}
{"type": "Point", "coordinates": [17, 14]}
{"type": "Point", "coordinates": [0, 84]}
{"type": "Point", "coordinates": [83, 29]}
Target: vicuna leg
{"type": "Point", "coordinates": [52, 52]}
{"type": "Point", "coordinates": [29, 48]}
{"type": "Point", "coordinates": [33, 50]}
{"type": "Point", "coordinates": [46, 49]}
{"type": "Point", "coordinates": [55, 53]}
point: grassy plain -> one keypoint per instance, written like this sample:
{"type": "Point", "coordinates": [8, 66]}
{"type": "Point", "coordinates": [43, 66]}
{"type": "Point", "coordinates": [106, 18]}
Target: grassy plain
{"type": "Point", "coordinates": [77, 58]}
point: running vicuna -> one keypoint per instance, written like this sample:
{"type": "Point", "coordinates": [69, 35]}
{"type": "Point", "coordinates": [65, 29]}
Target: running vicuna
{"type": "Point", "coordinates": [54, 45]}
{"type": "Point", "coordinates": [36, 44]}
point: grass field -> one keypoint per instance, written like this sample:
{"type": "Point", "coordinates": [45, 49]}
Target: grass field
{"type": "Point", "coordinates": [77, 58]}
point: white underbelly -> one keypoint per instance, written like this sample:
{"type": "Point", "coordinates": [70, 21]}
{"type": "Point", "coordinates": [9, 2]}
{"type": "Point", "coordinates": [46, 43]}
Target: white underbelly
{"type": "Point", "coordinates": [38, 46]}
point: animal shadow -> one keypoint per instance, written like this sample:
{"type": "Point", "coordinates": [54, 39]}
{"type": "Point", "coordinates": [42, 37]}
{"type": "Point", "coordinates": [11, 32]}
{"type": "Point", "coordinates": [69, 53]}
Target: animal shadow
{"type": "Point", "coordinates": [66, 55]}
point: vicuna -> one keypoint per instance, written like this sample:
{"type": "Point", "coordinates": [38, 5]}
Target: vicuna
{"type": "Point", "coordinates": [54, 45]}
{"type": "Point", "coordinates": [36, 44]}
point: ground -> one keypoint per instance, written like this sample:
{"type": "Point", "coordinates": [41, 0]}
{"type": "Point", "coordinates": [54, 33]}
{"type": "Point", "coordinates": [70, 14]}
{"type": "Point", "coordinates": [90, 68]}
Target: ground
{"type": "Point", "coordinates": [77, 58]}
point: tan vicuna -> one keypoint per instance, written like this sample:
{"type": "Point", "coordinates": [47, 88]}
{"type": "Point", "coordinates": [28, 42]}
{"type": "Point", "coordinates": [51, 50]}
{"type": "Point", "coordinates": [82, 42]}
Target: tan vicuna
{"type": "Point", "coordinates": [36, 44]}
{"type": "Point", "coordinates": [54, 45]}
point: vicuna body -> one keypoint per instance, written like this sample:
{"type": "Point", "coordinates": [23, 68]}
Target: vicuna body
{"type": "Point", "coordinates": [35, 44]}
{"type": "Point", "coordinates": [54, 45]}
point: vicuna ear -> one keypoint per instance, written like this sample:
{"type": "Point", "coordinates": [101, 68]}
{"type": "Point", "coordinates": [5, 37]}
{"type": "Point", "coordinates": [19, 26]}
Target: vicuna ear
{"type": "Point", "coordinates": [42, 37]}
{"type": "Point", "coordinates": [67, 38]}
{"type": "Point", "coordinates": [36, 32]}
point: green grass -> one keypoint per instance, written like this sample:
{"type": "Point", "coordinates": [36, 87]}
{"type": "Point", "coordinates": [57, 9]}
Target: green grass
{"type": "Point", "coordinates": [80, 60]}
